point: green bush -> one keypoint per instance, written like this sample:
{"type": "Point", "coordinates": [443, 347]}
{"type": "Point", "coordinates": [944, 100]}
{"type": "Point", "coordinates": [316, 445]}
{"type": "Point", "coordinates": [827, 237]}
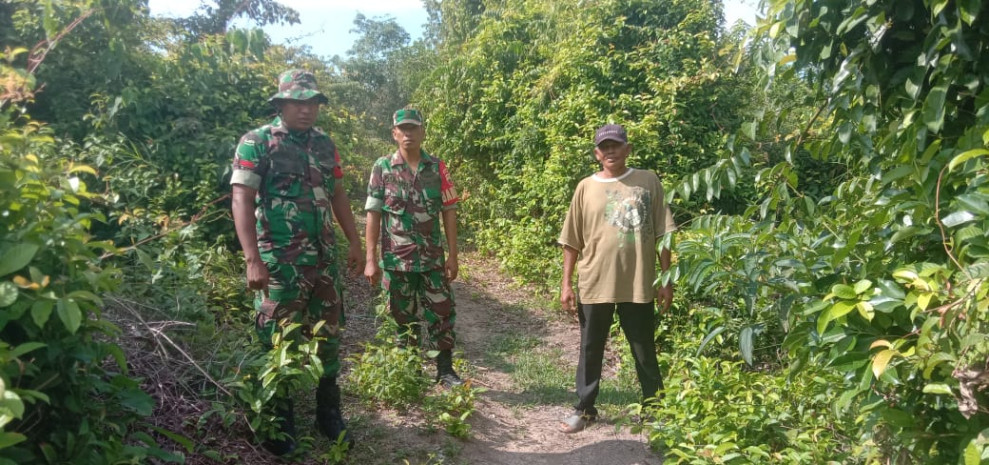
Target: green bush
{"type": "Point", "coordinates": [515, 106]}
{"type": "Point", "coordinates": [718, 411]}
{"type": "Point", "coordinates": [66, 394]}
{"type": "Point", "coordinates": [714, 410]}
{"type": "Point", "coordinates": [390, 374]}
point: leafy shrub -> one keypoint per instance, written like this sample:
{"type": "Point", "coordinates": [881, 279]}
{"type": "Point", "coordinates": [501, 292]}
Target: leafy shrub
{"type": "Point", "coordinates": [291, 365]}
{"type": "Point", "coordinates": [720, 411]}
{"type": "Point", "coordinates": [717, 411]}
{"type": "Point", "coordinates": [66, 393]}
{"type": "Point", "coordinates": [390, 373]}
{"type": "Point", "coordinates": [886, 268]}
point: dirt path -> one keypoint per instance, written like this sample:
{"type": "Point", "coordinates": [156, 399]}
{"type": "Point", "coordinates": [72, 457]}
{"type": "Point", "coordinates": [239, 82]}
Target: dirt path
{"type": "Point", "coordinates": [511, 425]}
{"type": "Point", "coordinates": [521, 354]}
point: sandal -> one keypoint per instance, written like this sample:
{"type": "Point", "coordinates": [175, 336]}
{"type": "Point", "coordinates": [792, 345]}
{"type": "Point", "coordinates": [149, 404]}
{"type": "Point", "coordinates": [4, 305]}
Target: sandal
{"type": "Point", "coordinates": [576, 423]}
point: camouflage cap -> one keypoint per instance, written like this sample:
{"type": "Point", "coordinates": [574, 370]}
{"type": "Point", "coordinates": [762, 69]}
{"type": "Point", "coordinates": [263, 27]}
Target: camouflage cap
{"type": "Point", "coordinates": [407, 116]}
{"type": "Point", "coordinates": [298, 84]}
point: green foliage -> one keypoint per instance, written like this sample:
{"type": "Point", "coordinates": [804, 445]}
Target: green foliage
{"type": "Point", "coordinates": [515, 105]}
{"type": "Point", "coordinates": [291, 365]}
{"type": "Point", "coordinates": [883, 272]}
{"type": "Point", "coordinates": [452, 407]}
{"type": "Point", "coordinates": [390, 373]}
{"type": "Point", "coordinates": [66, 396]}
{"type": "Point", "coordinates": [215, 16]}
{"type": "Point", "coordinates": [716, 411]}
{"type": "Point", "coordinates": [88, 48]}
{"type": "Point", "coordinates": [732, 267]}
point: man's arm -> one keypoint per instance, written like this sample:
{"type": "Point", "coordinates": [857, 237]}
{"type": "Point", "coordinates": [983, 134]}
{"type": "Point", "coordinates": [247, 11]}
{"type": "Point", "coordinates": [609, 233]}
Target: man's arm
{"type": "Point", "coordinates": [372, 234]}
{"type": "Point", "coordinates": [568, 300]}
{"type": "Point", "coordinates": [664, 294]}
{"type": "Point", "coordinates": [452, 267]}
{"type": "Point", "coordinates": [242, 205]}
{"type": "Point", "coordinates": [345, 218]}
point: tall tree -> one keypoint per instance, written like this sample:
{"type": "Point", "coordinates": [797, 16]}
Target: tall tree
{"type": "Point", "coordinates": [515, 105]}
{"type": "Point", "coordinates": [216, 16]}
{"type": "Point", "coordinates": [378, 63]}
{"type": "Point", "coordinates": [451, 22]}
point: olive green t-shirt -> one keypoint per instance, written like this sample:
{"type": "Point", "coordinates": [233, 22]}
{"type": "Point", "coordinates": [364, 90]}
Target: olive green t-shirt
{"type": "Point", "coordinates": [614, 224]}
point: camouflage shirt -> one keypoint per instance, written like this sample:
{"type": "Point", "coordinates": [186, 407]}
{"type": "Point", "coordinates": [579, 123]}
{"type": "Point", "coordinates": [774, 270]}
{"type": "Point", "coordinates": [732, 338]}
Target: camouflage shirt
{"type": "Point", "coordinates": [410, 204]}
{"type": "Point", "coordinates": [294, 174]}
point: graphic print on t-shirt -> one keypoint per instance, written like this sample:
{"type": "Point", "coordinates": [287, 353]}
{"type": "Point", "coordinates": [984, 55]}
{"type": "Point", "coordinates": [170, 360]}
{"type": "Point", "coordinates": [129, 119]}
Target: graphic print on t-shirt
{"type": "Point", "coordinates": [627, 210]}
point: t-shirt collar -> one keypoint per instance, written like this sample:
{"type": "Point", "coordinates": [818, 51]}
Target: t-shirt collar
{"type": "Point", "coordinates": [623, 176]}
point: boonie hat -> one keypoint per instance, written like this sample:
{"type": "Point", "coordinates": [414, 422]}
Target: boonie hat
{"type": "Point", "coordinates": [407, 116]}
{"type": "Point", "coordinates": [610, 132]}
{"type": "Point", "coordinates": [298, 84]}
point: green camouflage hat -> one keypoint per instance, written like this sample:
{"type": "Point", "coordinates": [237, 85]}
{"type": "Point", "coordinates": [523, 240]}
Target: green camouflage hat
{"type": "Point", "coordinates": [407, 116]}
{"type": "Point", "coordinates": [297, 84]}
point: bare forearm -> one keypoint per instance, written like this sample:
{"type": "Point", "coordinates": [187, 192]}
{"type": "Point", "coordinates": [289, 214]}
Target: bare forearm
{"type": "Point", "coordinates": [569, 261]}
{"type": "Point", "coordinates": [450, 227]}
{"type": "Point", "coordinates": [242, 206]}
{"type": "Point", "coordinates": [372, 234]}
{"type": "Point", "coordinates": [343, 214]}
{"type": "Point", "coordinates": [664, 259]}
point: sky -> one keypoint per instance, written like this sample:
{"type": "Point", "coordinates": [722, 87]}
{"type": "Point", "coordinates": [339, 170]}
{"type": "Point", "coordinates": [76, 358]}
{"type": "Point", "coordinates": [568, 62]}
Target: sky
{"type": "Point", "coordinates": [326, 24]}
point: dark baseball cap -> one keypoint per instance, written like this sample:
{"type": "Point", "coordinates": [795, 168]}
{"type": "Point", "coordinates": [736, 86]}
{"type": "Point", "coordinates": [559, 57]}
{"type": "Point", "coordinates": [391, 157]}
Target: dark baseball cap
{"type": "Point", "coordinates": [610, 132]}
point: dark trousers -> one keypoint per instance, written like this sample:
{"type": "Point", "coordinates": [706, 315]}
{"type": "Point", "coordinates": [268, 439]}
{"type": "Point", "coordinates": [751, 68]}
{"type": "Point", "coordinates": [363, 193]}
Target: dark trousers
{"type": "Point", "coordinates": [638, 322]}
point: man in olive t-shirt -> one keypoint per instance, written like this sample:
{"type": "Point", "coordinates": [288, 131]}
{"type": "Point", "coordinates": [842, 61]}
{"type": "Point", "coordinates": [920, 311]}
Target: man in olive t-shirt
{"type": "Point", "coordinates": [610, 233]}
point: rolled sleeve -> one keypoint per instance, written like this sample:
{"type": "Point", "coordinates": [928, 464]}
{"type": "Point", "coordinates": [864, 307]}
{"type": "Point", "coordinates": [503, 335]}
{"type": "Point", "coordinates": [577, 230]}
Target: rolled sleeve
{"type": "Point", "coordinates": [376, 188]}
{"type": "Point", "coordinates": [448, 190]}
{"type": "Point", "coordinates": [337, 170]}
{"type": "Point", "coordinates": [248, 165]}
{"type": "Point", "coordinates": [373, 205]}
{"type": "Point", "coordinates": [247, 178]}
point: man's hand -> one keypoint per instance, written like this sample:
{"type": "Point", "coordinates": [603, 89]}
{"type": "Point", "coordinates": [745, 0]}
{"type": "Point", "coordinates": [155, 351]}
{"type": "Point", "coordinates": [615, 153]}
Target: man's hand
{"type": "Point", "coordinates": [664, 297]}
{"type": "Point", "coordinates": [568, 300]}
{"type": "Point", "coordinates": [257, 276]}
{"type": "Point", "coordinates": [355, 258]}
{"type": "Point", "coordinates": [372, 272]}
{"type": "Point", "coordinates": [451, 269]}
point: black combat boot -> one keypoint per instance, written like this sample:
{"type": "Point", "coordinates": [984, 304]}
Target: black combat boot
{"type": "Point", "coordinates": [285, 442]}
{"type": "Point", "coordinates": [444, 370]}
{"type": "Point", "coordinates": [329, 420]}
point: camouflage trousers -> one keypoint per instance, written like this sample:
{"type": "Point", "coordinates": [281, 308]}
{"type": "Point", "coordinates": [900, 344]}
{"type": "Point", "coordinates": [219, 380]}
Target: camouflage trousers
{"type": "Point", "coordinates": [407, 291]}
{"type": "Point", "coordinates": [303, 294]}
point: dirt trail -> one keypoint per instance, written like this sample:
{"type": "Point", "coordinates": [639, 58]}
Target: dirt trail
{"type": "Point", "coordinates": [499, 332]}
{"type": "Point", "coordinates": [509, 426]}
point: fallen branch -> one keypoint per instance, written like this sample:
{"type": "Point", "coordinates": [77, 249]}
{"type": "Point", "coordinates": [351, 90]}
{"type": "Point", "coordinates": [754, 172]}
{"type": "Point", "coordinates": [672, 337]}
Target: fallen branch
{"type": "Point", "coordinates": [159, 332]}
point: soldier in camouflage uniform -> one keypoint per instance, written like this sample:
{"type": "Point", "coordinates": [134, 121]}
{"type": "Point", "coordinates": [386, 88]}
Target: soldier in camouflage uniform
{"type": "Point", "coordinates": [408, 192]}
{"type": "Point", "coordinates": [287, 188]}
